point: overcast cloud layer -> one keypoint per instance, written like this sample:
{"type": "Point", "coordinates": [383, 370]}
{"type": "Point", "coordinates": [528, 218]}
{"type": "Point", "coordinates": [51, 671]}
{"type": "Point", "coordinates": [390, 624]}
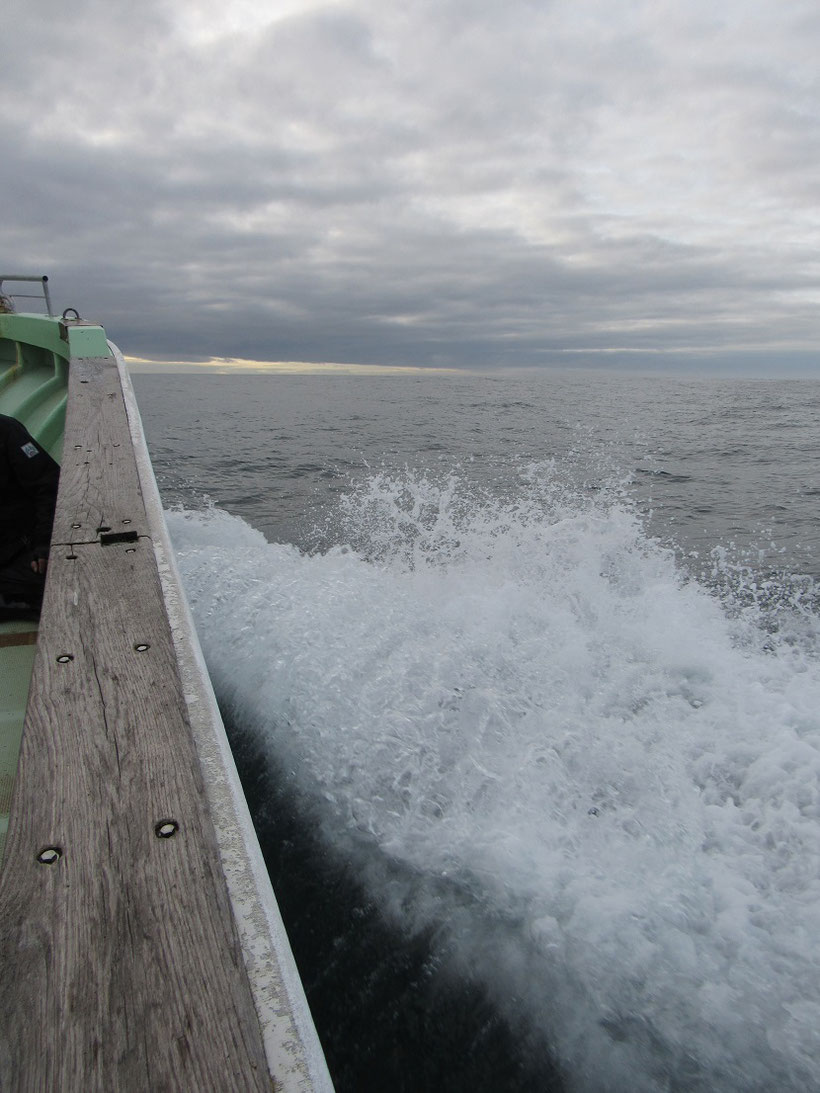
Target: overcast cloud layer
{"type": "Point", "coordinates": [452, 182]}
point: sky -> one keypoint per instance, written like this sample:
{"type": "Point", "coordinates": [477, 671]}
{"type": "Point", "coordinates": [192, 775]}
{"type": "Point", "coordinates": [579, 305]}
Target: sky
{"type": "Point", "coordinates": [425, 183]}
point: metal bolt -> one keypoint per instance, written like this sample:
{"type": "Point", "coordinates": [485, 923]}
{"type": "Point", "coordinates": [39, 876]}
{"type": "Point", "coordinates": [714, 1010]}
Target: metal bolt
{"type": "Point", "coordinates": [64, 658]}
{"type": "Point", "coordinates": [166, 829]}
{"type": "Point", "coordinates": [49, 855]}
{"type": "Point", "coordinates": [142, 646]}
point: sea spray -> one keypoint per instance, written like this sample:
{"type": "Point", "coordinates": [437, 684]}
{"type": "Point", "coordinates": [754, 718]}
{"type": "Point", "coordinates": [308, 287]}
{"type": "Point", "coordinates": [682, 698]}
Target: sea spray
{"type": "Point", "coordinates": [600, 783]}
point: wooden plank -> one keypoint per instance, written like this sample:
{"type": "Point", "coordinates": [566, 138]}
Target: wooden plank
{"type": "Point", "coordinates": [99, 484]}
{"type": "Point", "coordinates": [123, 953]}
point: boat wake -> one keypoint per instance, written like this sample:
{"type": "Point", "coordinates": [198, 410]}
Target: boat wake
{"type": "Point", "coordinates": [600, 780]}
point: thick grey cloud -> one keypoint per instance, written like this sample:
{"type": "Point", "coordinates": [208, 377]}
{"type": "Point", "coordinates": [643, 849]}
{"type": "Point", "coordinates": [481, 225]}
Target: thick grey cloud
{"type": "Point", "coordinates": [488, 182]}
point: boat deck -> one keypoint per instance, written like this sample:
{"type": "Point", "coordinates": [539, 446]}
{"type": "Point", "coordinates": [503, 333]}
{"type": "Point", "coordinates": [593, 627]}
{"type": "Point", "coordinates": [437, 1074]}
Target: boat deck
{"type": "Point", "coordinates": [118, 910]}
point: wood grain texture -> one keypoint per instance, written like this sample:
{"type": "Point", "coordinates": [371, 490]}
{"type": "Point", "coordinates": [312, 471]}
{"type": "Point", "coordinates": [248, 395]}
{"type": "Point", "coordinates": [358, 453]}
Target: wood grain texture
{"type": "Point", "coordinates": [99, 484]}
{"type": "Point", "coordinates": [120, 959]}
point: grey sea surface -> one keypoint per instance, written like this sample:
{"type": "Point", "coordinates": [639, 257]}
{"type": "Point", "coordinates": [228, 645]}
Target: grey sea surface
{"type": "Point", "coordinates": [521, 673]}
{"type": "Point", "coordinates": [726, 463]}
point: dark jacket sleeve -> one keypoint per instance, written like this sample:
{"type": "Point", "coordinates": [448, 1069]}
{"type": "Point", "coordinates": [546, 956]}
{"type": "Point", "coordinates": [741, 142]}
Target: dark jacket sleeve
{"type": "Point", "coordinates": [36, 475]}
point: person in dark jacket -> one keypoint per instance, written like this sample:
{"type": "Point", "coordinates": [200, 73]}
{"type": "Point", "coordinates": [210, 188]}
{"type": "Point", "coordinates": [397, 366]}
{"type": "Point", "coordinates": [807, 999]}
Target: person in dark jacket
{"type": "Point", "coordinates": [28, 495]}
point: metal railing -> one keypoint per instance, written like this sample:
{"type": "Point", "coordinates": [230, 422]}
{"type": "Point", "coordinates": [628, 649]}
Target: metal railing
{"type": "Point", "coordinates": [42, 281]}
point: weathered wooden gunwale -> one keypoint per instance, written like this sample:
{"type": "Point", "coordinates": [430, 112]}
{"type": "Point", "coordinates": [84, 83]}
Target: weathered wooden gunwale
{"type": "Point", "coordinates": [118, 946]}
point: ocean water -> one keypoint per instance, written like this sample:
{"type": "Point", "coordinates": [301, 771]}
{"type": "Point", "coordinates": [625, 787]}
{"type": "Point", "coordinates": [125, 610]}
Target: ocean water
{"type": "Point", "coordinates": [522, 676]}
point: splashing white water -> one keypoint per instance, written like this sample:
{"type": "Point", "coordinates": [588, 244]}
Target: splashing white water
{"type": "Point", "coordinates": [526, 703]}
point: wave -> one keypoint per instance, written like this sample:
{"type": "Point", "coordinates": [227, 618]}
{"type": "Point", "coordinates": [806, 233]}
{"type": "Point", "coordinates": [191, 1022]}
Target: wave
{"type": "Point", "coordinates": [599, 778]}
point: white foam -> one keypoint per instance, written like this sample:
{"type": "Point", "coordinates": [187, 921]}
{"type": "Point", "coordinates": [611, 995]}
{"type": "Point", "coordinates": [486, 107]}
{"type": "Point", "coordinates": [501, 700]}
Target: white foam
{"type": "Point", "coordinates": [606, 785]}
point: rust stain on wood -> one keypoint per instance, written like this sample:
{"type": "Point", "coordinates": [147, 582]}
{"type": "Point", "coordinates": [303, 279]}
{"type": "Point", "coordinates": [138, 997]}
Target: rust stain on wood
{"type": "Point", "coordinates": [29, 637]}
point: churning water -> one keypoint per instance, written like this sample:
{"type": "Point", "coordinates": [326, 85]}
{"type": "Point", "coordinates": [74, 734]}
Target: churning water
{"type": "Point", "coordinates": [534, 661]}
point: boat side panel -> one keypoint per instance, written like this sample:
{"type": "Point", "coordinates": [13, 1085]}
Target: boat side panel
{"type": "Point", "coordinates": [32, 333]}
{"type": "Point", "coordinates": [70, 339]}
{"type": "Point", "coordinates": [33, 384]}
